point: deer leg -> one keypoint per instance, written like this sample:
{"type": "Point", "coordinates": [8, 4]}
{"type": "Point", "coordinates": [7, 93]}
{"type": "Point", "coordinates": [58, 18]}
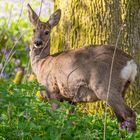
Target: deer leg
{"type": "Point", "coordinates": [56, 96]}
{"type": "Point", "coordinates": [126, 85]}
{"type": "Point", "coordinates": [121, 121]}
{"type": "Point", "coordinates": [124, 114]}
{"type": "Point", "coordinates": [45, 95]}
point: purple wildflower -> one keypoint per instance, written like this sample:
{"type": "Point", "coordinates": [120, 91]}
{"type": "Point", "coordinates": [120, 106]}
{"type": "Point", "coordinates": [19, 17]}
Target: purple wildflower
{"type": "Point", "coordinates": [6, 51]}
{"type": "Point", "coordinates": [17, 62]}
{"type": "Point", "coordinates": [130, 130]}
{"type": "Point", "coordinates": [123, 126]}
{"type": "Point", "coordinates": [14, 39]}
{"type": "Point", "coordinates": [22, 1]}
{"type": "Point", "coordinates": [4, 75]}
{"type": "Point", "coordinates": [3, 50]}
{"type": "Point", "coordinates": [126, 123]}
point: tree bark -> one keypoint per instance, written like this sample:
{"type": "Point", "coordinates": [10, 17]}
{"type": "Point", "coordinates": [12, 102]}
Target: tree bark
{"type": "Point", "coordinates": [86, 22]}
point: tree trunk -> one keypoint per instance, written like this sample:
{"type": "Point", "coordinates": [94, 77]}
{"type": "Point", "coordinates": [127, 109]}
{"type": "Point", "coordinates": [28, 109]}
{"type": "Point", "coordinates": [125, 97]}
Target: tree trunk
{"type": "Point", "coordinates": [86, 22]}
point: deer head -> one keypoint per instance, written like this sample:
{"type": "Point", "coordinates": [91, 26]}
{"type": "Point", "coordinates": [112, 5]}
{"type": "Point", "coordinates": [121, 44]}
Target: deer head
{"type": "Point", "coordinates": [41, 30]}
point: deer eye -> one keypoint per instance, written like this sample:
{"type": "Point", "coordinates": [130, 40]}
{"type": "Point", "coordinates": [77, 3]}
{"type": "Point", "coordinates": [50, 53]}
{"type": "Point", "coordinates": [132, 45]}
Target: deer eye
{"type": "Point", "coordinates": [46, 32]}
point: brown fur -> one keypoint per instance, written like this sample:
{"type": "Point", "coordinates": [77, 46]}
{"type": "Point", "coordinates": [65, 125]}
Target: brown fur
{"type": "Point", "coordinates": [79, 75]}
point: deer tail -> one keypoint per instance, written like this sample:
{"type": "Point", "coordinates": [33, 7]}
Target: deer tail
{"type": "Point", "coordinates": [129, 71]}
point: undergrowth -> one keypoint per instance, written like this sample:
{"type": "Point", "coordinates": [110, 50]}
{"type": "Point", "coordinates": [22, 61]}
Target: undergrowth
{"type": "Point", "coordinates": [23, 116]}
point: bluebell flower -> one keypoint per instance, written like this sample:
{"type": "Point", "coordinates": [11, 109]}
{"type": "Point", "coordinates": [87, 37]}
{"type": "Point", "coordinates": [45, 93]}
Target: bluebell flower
{"type": "Point", "coordinates": [3, 50]}
{"type": "Point", "coordinates": [6, 51]}
{"type": "Point", "coordinates": [17, 62]}
{"type": "Point", "coordinates": [5, 75]}
{"type": "Point", "coordinates": [14, 39]}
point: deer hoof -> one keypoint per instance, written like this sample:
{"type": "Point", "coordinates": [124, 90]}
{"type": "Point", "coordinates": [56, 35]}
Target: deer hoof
{"type": "Point", "coordinates": [123, 125]}
{"type": "Point", "coordinates": [131, 125]}
{"type": "Point", "coordinates": [55, 106]}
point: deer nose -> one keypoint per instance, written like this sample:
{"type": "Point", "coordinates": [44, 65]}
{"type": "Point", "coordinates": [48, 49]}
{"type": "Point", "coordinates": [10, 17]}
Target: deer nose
{"type": "Point", "coordinates": [38, 42]}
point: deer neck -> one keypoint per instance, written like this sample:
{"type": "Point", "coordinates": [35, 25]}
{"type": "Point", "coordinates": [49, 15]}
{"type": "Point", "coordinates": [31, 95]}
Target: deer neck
{"type": "Point", "coordinates": [37, 55]}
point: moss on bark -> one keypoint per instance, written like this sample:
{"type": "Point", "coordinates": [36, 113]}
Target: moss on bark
{"type": "Point", "coordinates": [99, 22]}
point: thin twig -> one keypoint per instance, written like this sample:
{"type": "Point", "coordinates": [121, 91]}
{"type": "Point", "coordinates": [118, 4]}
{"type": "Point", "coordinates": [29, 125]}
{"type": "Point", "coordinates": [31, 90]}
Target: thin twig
{"type": "Point", "coordinates": [39, 11]}
{"type": "Point", "coordinates": [12, 50]}
{"type": "Point", "coordinates": [110, 75]}
{"type": "Point", "coordinates": [10, 55]}
{"type": "Point", "coordinates": [136, 104]}
{"type": "Point", "coordinates": [21, 11]}
{"type": "Point", "coordinates": [110, 78]}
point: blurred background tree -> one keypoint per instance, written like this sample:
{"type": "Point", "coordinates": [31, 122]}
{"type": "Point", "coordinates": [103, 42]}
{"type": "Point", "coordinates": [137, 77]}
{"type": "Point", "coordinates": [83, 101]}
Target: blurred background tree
{"type": "Point", "coordinates": [86, 22]}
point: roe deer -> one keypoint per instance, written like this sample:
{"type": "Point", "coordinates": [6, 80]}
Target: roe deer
{"type": "Point", "coordinates": [82, 75]}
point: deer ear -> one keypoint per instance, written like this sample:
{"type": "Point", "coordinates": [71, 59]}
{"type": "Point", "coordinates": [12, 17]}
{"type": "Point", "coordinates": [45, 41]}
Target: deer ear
{"type": "Point", "coordinates": [54, 18]}
{"type": "Point", "coordinates": [33, 17]}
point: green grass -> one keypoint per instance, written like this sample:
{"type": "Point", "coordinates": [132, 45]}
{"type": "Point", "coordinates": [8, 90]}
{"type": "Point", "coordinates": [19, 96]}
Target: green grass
{"type": "Point", "coordinates": [25, 117]}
